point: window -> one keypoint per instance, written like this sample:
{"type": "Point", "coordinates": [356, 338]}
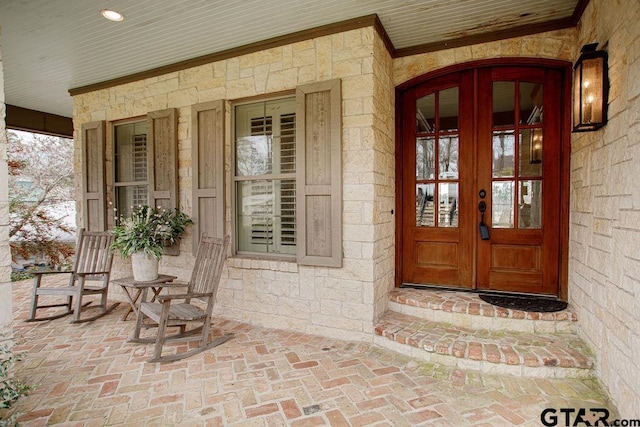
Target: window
{"type": "Point", "coordinates": [145, 166]}
{"type": "Point", "coordinates": [130, 179]}
{"type": "Point", "coordinates": [286, 179]}
{"type": "Point", "coordinates": [265, 176]}
{"type": "Point", "coordinates": [145, 162]}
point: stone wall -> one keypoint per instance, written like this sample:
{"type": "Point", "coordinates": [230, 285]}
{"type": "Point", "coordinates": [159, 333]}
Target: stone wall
{"type": "Point", "coordinates": [336, 302]}
{"type": "Point", "coordinates": [384, 177]}
{"type": "Point", "coordinates": [6, 308]}
{"type": "Point", "coordinates": [558, 44]}
{"type": "Point", "coordinates": [604, 266]}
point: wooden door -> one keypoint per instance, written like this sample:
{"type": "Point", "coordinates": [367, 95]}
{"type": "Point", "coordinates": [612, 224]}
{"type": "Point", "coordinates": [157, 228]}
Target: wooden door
{"type": "Point", "coordinates": [492, 137]}
{"type": "Point", "coordinates": [519, 156]}
{"type": "Point", "coordinates": [438, 172]}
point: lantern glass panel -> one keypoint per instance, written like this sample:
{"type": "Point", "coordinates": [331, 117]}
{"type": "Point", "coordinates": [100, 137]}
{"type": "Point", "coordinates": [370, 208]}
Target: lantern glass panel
{"type": "Point", "coordinates": [592, 90]}
{"type": "Point", "coordinates": [577, 97]}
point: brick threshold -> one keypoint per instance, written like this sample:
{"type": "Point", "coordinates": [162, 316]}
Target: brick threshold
{"type": "Point", "coordinates": [471, 304]}
{"type": "Point", "coordinates": [459, 329]}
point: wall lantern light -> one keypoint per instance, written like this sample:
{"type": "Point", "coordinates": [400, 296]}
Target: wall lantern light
{"type": "Point", "coordinates": [590, 89]}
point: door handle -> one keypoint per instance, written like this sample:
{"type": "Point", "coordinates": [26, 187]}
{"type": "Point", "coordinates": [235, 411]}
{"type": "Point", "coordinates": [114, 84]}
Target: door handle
{"type": "Point", "coordinates": [484, 229]}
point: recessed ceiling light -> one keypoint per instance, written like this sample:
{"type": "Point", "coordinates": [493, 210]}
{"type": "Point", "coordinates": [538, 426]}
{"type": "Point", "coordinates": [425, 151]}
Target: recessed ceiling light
{"type": "Point", "coordinates": [112, 15]}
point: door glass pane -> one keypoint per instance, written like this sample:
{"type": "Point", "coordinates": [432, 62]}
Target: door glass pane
{"type": "Point", "coordinates": [530, 152]}
{"type": "Point", "coordinates": [503, 153]}
{"type": "Point", "coordinates": [504, 96]}
{"type": "Point", "coordinates": [425, 158]}
{"type": "Point", "coordinates": [425, 207]}
{"type": "Point", "coordinates": [530, 204]}
{"type": "Point", "coordinates": [448, 157]}
{"type": "Point", "coordinates": [448, 204]}
{"type": "Point", "coordinates": [426, 113]}
{"type": "Point", "coordinates": [502, 204]}
{"type": "Point", "coordinates": [530, 103]}
{"type": "Point", "coordinates": [448, 103]}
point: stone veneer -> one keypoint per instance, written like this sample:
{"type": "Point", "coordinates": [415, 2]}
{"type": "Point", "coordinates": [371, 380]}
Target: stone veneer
{"type": "Point", "coordinates": [604, 248]}
{"type": "Point", "coordinates": [604, 269]}
{"type": "Point", "coordinates": [6, 308]}
{"type": "Point", "coordinates": [339, 302]}
{"type": "Point", "coordinates": [383, 178]}
{"type": "Point", "coordinates": [550, 45]}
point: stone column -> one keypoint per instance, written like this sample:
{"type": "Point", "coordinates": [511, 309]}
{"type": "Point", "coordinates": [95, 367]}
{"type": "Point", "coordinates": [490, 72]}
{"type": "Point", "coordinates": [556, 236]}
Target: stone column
{"type": "Point", "coordinates": [6, 307]}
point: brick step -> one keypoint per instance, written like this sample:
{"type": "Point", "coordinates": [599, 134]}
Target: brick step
{"type": "Point", "coordinates": [547, 355]}
{"type": "Point", "coordinates": [466, 309]}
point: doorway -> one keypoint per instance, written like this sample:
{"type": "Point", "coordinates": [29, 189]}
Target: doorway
{"type": "Point", "coordinates": [482, 201]}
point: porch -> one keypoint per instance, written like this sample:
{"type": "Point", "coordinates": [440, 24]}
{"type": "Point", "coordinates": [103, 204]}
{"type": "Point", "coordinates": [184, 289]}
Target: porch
{"type": "Point", "coordinates": [600, 237]}
{"type": "Point", "coordinates": [89, 375]}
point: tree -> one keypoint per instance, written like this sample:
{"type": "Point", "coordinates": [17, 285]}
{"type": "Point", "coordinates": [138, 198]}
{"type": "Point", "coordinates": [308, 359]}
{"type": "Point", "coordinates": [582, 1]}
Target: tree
{"type": "Point", "coordinates": [40, 176]}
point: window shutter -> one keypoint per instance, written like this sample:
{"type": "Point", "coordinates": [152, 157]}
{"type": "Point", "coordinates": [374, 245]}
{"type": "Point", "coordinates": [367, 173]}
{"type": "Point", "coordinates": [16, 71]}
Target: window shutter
{"type": "Point", "coordinates": [319, 173]}
{"type": "Point", "coordinates": [94, 209]}
{"type": "Point", "coordinates": [207, 122]}
{"type": "Point", "coordinates": [162, 164]}
{"type": "Point", "coordinates": [288, 187]}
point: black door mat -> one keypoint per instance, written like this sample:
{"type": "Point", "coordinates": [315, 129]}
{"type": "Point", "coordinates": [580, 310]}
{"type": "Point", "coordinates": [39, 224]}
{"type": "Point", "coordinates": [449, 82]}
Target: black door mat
{"type": "Point", "coordinates": [525, 303]}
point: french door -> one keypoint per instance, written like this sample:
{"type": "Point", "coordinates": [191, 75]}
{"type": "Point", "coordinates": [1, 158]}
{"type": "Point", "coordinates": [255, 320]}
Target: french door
{"type": "Point", "coordinates": [481, 186]}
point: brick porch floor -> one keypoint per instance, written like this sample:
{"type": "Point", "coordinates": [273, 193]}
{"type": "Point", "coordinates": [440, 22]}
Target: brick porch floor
{"type": "Point", "coordinates": [88, 375]}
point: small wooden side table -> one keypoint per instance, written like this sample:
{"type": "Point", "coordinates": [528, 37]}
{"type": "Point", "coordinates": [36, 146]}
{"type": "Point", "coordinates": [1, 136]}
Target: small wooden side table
{"type": "Point", "coordinates": [133, 289]}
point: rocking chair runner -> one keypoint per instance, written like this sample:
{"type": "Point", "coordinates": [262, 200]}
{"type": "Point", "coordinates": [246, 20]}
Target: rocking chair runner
{"type": "Point", "coordinates": [92, 263]}
{"type": "Point", "coordinates": [203, 285]}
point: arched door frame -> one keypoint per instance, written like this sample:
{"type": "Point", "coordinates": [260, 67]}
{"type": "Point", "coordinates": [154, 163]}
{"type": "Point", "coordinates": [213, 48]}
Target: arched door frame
{"type": "Point", "coordinates": [565, 69]}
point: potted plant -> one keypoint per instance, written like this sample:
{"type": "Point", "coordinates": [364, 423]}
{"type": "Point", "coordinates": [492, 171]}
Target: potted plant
{"type": "Point", "coordinates": [143, 235]}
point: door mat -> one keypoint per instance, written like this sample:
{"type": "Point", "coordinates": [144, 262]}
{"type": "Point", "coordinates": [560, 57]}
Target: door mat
{"type": "Point", "coordinates": [525, 303]}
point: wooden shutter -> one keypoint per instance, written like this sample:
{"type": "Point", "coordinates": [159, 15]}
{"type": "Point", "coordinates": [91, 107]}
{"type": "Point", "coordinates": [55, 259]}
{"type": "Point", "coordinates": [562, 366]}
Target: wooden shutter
{"type": "Point", "coordinates": [288, 187]}
{"type": "Point", "coordinates": [207, 123]}
{"type": "Point", "coordinates": [162, 155]}
{"type": "Point", "coordinates": [319, 173]}
{"type": "Point", "coordinates": [94, 208]}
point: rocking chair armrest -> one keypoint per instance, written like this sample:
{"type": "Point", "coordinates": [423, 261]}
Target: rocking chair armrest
{"type": "Point", "coordinates": [43, 272]}
{"type": "Point", "coordinates": [86, 273]}
{"type": "Point", "coordinates": [163, 298]}
{"type": "Point", "coordinates": [160, 285]}
{"type": "Point", "coordinates": [174, 285]}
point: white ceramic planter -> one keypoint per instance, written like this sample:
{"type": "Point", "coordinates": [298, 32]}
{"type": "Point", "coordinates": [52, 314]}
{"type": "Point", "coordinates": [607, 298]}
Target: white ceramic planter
{"type": "Point", "coordinates": [145, 267]}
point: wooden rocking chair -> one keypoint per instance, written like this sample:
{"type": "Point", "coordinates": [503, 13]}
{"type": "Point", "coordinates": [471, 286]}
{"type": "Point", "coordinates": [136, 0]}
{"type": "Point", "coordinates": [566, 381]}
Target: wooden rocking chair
{"type": "Point", "coordinates": [203, 286]}
{"type": "Point", "coordinates": [92, 263]}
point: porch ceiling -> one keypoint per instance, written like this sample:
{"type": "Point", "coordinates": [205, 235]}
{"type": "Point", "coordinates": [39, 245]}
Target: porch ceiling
{"type": "Point", "coordinates": [51, 46]}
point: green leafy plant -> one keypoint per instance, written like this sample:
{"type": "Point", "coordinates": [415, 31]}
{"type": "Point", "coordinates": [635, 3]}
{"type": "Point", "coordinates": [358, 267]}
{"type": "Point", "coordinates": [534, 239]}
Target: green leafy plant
{"type": "Point", "coordinates": [10, 389]}
{"type": "Point", "coordinates": [20, 275]}
{"type": "Point", "coordinates": [148, 230]}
